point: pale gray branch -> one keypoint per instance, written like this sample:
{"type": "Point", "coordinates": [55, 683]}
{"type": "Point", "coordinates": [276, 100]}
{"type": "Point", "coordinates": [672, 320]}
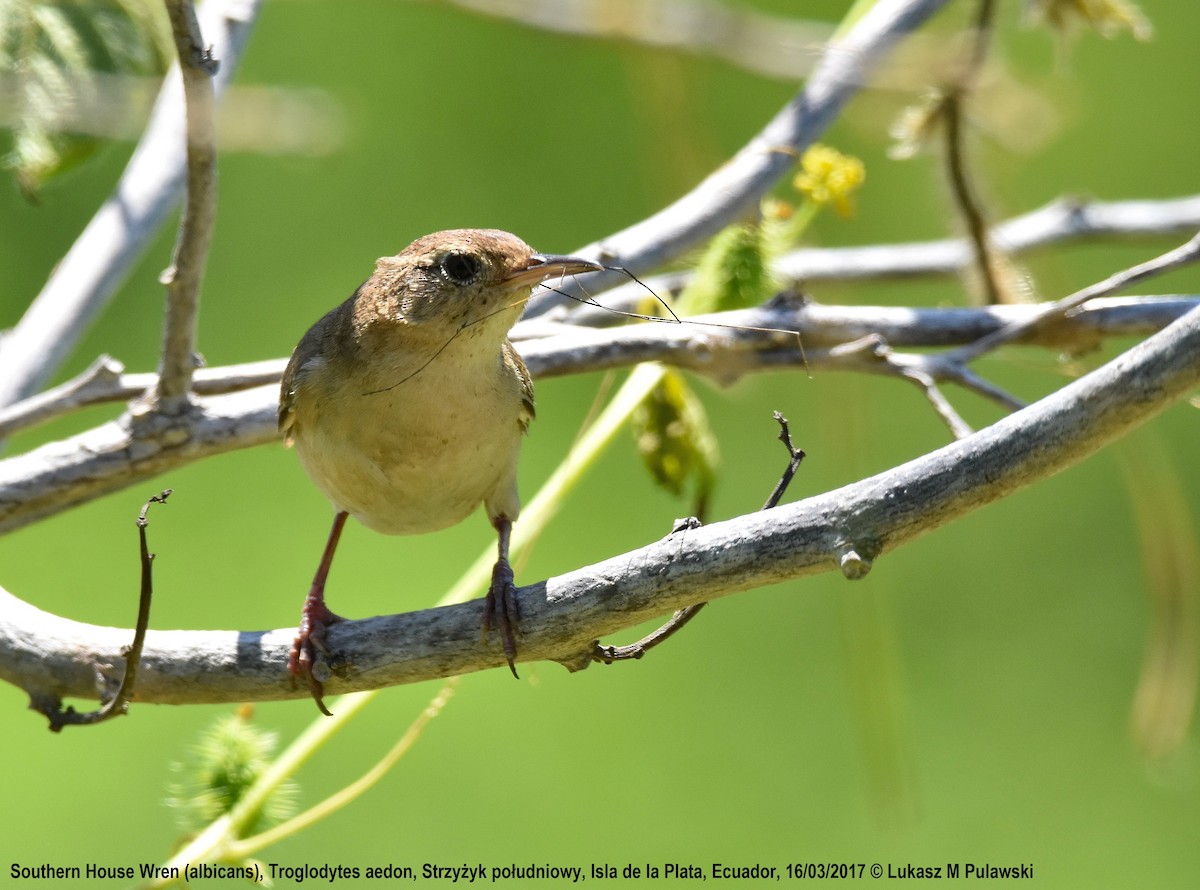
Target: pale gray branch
{"type": "Point", "coordinates": [555, 349]}
{"type": "Point", "coordinates": [724, 346]}
{"type": "Point", "coordinates": [847, 529]}
{"type": "Point", "coordinates": [1050, 312]}
{"type": "Point", "coordinates": [197, 66]}
{"type": "Point", "coordinates": [105, 380]}
{"type": "Point", "coordinates": [136, 446]}
{"type": "Point", "coordinates": [735, 189]}
{"type": "Point", "coordinates": [1066, 219]}
{"type": "Point", "coordinates": [122, 228]}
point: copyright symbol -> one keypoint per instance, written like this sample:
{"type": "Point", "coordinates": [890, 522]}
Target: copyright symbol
{"type": "Point", "coordinates": [877, 870]}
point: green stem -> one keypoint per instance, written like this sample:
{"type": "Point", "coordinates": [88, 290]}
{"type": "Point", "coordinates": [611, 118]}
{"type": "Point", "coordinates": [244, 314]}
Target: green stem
{"type": "Point", "coordinates": [801, 220]}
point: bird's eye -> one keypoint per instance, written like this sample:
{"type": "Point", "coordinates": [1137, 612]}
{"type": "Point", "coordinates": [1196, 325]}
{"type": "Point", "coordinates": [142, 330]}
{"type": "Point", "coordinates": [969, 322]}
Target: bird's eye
{"type": "Point", "coordinates": [461, 268]}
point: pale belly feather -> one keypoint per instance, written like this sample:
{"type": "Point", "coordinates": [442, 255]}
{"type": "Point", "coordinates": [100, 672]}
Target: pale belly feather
{"type": "Point", "coordinates": [419, 457]}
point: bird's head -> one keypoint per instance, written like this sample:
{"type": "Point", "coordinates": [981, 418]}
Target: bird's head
{"type": "Point", "coordinates": [460, 278]}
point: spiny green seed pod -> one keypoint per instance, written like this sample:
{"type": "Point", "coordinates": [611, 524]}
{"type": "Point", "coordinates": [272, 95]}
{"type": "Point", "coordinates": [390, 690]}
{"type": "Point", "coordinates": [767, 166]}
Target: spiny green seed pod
{"type": "Point", "coordinates": [228, 758]}
{"type": "Point", "coordinates": [733, 273]}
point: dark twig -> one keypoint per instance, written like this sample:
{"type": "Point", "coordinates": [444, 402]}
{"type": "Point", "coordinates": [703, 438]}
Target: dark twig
{"type": "Point", "coordinates": [118, 705]}
{"type": "Point", "coordinates": [609, 654]}
{"type": "Point", "coordinates": [953, 106]}
{"type": "Point", "coordinates": [969, 205]}
{"type": "Point", "coordinates": [795, 456]}
{"type": "Point", "coordinates": [186, 273]}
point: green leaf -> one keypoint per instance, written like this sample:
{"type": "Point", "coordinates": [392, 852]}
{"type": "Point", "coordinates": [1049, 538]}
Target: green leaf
{"type": "Point", "coordinates": [675, 440]}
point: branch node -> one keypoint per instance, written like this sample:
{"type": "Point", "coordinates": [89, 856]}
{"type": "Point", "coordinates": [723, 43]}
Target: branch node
{"type": "Point", "coordinates": [582, 658]}
{"type": "Point", "coordinates": [854, 564]}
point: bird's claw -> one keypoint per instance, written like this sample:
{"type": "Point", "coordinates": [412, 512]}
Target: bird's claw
{"type": "Point", "coordinates": [501, 611]}
{"type": "Point", "coordinates": [309, 651]}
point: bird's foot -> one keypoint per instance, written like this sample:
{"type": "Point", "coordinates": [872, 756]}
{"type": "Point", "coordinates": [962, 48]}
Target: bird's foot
{"type": "Point", "coordinates": [501, 612]}
{"type": "Point", "coordinates": [315, 619]}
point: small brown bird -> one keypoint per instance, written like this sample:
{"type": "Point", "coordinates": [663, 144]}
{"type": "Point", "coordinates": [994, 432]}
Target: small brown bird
{"type": "Point", "coordinates": [407, 404]}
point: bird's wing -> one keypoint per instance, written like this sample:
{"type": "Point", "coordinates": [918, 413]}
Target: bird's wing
{"type": "Point", "coordinates": [512, 359]}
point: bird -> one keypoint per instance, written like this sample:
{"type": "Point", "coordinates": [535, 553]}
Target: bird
{"type": "Point", "coordinates": [407, 403]}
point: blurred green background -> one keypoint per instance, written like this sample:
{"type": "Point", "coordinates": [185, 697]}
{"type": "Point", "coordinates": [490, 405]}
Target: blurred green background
{"type": "Point", "coordinates": [969, 701]}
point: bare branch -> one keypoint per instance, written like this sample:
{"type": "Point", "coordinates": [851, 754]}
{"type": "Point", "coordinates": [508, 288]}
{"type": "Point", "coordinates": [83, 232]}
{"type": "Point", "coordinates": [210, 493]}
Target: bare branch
{"type": "Point", "coordinates": [105, 381]}
{"type": "Point", "coordinates": [735, 189]}
{"type": "Point", "coordinates": [576, 352]}
{"type": "Point", "coordinates": [1063, 220]}
{"type": "Point", "coordinates": [198, 67]}
{"type": "Point", "coordinates": [846, 529]}
{"type": "Point", "coordinates": [723, 346]}
{"type": "Point", "coordinates": [131, 449]}
{"type": "Point", "coordinates": [102, 257]}
{"type": "Point", "coordinates": [1180, 256]}
{"type": "Point", "coordinates": [1066, 219]}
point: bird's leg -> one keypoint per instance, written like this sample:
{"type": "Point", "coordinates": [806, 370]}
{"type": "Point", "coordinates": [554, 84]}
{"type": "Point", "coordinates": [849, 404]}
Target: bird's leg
{"type": "Point", "coordinates": [500, 610]}
{"type": "Point", "coordinates": [315, 618]}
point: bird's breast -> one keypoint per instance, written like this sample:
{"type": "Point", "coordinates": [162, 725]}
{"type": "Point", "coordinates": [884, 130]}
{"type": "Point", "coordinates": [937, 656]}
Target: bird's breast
{"type": "Point", "coordinates": [415, 453]}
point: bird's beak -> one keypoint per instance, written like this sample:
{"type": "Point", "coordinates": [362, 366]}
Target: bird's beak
{"type": "Point", "coordinates": [541, 266]}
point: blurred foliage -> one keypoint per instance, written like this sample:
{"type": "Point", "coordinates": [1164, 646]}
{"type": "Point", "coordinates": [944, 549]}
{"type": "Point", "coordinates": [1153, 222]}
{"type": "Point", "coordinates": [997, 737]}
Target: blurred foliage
{"type": "Point", "coordinates": [60, 62]}
{"type": "Point", "coordinates": [1108, 17]}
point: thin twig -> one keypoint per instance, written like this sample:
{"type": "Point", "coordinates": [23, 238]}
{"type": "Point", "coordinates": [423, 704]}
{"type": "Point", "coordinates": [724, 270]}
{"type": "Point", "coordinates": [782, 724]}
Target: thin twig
{"type": "Point", "coordinates": [969, 205]}
{"type": "Point", "coordinates": [183, 279]}
{"type": "Point", "coordinates": [118, 704]}
{"type": "Point", "coordinates": [953, 108]}
{"type": "Point", "coordinates": [634, 651]}
{"type": "Point", "coordinates": [874, 354]}
{"type": "Point", "coordinates": [795, 456]}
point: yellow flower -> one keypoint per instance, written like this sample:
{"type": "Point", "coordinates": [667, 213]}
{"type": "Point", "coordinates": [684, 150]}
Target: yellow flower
{"type": "Point", "coordinates": [829, 177]}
